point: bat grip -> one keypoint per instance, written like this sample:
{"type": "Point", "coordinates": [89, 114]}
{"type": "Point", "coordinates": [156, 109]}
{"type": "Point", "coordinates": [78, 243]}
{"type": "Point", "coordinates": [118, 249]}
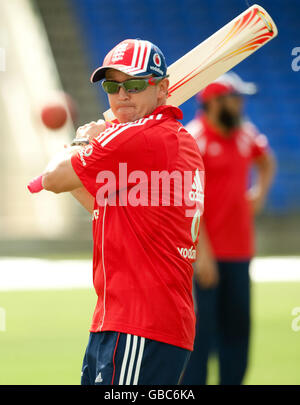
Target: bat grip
{"type": "Point", "coordinates": [35, 185]}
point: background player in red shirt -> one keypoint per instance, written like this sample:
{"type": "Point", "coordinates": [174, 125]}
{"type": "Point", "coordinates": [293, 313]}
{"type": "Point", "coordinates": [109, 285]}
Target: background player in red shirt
{"type": "Point", "coordinates": [143, 326]}
{"type": "Point", "coordinates": [230, 147]}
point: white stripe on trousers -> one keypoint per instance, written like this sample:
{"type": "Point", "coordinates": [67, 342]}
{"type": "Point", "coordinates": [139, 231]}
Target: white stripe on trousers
{"type": "Point", "coordinates": [131, 360]}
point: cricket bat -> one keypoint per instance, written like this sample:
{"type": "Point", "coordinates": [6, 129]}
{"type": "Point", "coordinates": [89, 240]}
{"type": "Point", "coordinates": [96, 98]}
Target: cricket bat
{"type": "Point", "coordinates": [217, 54]}
{"type": "Point", "coordinates": [213, 57]}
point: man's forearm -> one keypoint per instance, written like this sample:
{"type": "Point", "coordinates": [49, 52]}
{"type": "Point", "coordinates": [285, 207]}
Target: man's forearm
{"type": "Point", "coordinates": [60, 157]}
{"type": "Point", "coordinates": [266, 167]}
{"type": "Point", "coordinates": [59, 175]}
{"type": "Point", "coordinates": [204, 245]}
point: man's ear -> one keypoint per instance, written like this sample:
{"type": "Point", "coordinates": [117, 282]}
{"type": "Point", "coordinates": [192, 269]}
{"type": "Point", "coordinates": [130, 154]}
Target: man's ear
{"type": "Point", "coordinates": [163, 88]}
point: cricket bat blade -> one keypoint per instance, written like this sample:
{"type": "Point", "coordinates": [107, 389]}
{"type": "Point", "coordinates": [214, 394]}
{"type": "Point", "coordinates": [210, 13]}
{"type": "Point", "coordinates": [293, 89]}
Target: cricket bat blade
{"type": "Point", "coordinates": [219, 53]}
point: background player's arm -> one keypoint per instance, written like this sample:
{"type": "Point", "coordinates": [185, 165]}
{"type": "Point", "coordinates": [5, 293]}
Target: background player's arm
{"type": "Point", "coordinates": [206, 271]}
{"type": "Point", "coordinates": [265, 166]}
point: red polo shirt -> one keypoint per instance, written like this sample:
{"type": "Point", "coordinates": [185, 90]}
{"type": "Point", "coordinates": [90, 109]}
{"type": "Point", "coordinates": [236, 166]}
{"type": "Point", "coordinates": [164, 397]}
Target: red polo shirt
{"type": "Point", "coordinates": [143, 254]}
{"type": "Point", "coordinates": [227, 162]}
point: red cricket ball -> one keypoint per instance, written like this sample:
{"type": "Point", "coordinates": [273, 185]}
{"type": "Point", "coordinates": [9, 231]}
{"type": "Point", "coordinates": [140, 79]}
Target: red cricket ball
{"type": "Point", "coordinates": [54, 116]}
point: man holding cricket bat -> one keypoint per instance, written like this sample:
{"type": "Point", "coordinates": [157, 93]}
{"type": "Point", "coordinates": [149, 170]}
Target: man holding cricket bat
{"type": "Point", "coordinates": [145, 234]}
{"type": "Point", "coordinates": [142, 179]}
{"type": "Point", "coordinates": [230, 147]}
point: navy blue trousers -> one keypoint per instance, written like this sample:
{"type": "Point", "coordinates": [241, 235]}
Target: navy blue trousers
{"type": "Point", "coordinates": [223, 326]}
{"type": "Point", "coordinates": [114, 358]}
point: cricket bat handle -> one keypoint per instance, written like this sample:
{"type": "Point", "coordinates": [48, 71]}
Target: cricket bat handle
{"type": "Point", "coordinates": [36, 185]}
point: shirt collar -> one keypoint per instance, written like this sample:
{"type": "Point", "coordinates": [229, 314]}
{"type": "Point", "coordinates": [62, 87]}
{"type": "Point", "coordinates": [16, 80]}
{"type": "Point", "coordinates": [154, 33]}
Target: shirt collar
{"type": "Point", "coordinates": [168, 110]}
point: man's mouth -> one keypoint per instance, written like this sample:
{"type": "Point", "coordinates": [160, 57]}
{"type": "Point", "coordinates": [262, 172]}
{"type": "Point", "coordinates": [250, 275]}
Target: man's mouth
{"type": "Point", "coordinates": [125, 106]}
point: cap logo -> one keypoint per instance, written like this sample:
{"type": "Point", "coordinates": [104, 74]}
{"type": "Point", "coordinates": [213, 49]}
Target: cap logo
{"type": "Point", "coordinates": [157, 59]}
{"type": "Point", "coordinates": [119, 52]}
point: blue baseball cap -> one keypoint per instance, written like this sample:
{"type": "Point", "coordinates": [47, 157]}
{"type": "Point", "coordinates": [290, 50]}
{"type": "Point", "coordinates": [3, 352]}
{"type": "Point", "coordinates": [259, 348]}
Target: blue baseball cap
{"type": "Point", "coordinates": [134, 57]}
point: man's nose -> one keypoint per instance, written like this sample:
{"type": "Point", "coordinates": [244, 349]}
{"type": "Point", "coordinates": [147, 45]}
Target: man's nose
{"type": "Point", "coordinates": [123, 95]}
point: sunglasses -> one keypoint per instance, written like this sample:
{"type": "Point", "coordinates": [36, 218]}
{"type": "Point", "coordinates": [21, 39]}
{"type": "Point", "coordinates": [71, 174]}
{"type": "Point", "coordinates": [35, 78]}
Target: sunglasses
{"type": "Point", "coordinates": [131, 86]}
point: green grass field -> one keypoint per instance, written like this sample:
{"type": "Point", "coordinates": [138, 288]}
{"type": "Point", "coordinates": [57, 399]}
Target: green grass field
{"type": "Point", "coordinates": [47, 332]}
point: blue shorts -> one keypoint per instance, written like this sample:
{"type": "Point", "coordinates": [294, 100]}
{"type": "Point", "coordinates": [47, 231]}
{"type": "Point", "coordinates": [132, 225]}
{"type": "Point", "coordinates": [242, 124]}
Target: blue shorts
{"type": "Point", "coordinates": [114, 358]}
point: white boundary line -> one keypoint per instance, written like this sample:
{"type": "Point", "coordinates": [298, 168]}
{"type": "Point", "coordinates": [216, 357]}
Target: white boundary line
{"type": "Point", "coordinates": [39, 274]}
